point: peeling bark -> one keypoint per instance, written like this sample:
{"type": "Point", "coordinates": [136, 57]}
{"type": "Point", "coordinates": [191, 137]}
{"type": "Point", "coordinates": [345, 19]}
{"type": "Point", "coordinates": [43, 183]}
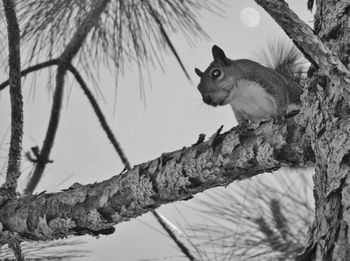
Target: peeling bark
{"type": "Point", "coordinates": [95, 208]}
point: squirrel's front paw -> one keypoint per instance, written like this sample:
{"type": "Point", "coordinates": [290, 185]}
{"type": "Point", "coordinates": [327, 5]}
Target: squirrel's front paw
{"type": "Point", "coordinates": [242, 128]}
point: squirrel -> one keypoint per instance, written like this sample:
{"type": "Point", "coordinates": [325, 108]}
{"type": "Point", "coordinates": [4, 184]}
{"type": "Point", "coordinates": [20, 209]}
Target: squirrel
{"type": "Point", "coordinates": [254, 91]}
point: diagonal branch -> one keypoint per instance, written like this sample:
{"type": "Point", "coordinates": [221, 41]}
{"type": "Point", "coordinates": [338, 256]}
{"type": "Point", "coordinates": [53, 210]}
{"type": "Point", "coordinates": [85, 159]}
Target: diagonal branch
{"type": "Point", "coordinates": [167, 39]}
{"type": "Point", "coordinates": [95, 208]}
{"type": "Point", "coordinates": [68, 54]}
{"type": "Point", "coordinates": [90, 97]}
{"type": "Point", "coordinates": [14, 163]}
{"type": "Point", "coordinates": [17, 251]}
{"type": "Point", "coordinates": [172, 235]}
{"type": "Point", "coordinates": [122, 155]}
{"type": "Point", "coordinates": [303, 36]}
{"type": "Point", "coordinates": [100, 116]}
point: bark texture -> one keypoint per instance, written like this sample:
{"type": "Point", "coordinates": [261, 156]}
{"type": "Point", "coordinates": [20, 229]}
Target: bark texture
{"type": "Point", "coordinates": [15, 151]}
{"type": "Point", "coordinates": [326, 116]}
{"type": "Point", "coordinates": [328, 125]}
{"type": "Point", "coordinates": [95, 208]}
{"type": "Point", "coordinates": [303, 36]}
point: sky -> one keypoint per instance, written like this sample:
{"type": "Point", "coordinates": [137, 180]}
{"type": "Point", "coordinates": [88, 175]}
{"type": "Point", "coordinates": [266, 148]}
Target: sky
{"type": "Point", "coordinates": [170, 116]}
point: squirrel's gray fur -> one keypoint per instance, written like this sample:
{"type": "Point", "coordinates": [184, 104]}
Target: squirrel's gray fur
{"type": "Point", "coordinates": [254, 91]}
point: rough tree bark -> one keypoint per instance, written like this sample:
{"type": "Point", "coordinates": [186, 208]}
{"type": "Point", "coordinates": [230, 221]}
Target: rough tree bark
{"type": "Point", "coordinates": [329, 129]}
{"type": "Point", "coordinates": [322, 139]}
{"type": "Point", "coordinates": [15, 151]}
{"type": "Point", "coordinates": [325, 115]}
{"type": "Point", "coordinates": [95, 208]}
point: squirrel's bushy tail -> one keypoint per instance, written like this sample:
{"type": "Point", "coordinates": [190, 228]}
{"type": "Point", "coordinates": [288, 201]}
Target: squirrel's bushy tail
{"type": "Point", "coordinates": [284, 58]}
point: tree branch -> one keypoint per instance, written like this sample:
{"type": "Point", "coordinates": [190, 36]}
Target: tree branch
{"type": "Point", "coordinates": [17, 251]}
{"type": "Point", "coordinates": [30, 69]}
{"type": "Point", "coordinates": [95, 208]}
{"type": "Point", "coordinates": [90, 97]}
{"type": "Point", "coordinates": [100, 116]}
{"type": "Point", "coordinates": [14, 163]}
{"type": "Point", "coordinates": [167, 39]}
{"type": "Point", "coordinates": [173, 237]}
{"type": "Point", "coordinates": [122, 155]}
{"type": "Point", "coordinates": [303, 36]}
{"type": "Point", "coordinates": [65, 59]}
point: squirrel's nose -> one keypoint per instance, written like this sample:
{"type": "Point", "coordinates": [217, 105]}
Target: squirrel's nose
{"type": "Point", "coordinates": [207, 98]}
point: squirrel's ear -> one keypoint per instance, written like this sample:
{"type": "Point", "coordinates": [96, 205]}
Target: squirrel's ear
{"type": "Point", "coordinates": [198, 72]}
{"type": "Point", "coordinates": [219, 54]}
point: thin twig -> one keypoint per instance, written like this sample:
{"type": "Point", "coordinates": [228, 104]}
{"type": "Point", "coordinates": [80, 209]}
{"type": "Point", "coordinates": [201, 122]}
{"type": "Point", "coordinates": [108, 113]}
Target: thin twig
{"type": "Point", "coordinates": [100, 116]}
{"type": "Point", "coordinates": [90, 97]}
{"type": "Point", "coordinates": [17, 251]}
{"type": "Point", "coordinates": [172, 235]}
{"type": "Point", "coordinates": [167, 39]}
{"type": "Point", "coordinates": [30, 69]}
{"type": "Point", "coordinates": [68, 54]}
{"type": "Point", "coordinates": [14, 163]}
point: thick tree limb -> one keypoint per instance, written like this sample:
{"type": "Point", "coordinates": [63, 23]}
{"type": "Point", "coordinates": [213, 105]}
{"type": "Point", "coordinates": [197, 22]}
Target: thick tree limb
{"type": "Point", "coordinates": [332, 21]}
{"type": "Point", "coordinates": [303, 36]}
{"type": "Point", "coordinates": [15, 151]}
{"type": "Point", "coordinates": [325, 114]}
{"type": "Point", "coordinates": [327, 117]}
{"type": "Point", "coordinates": [119, 150]}
{"type": "Point", "coordinates": [95, 208]}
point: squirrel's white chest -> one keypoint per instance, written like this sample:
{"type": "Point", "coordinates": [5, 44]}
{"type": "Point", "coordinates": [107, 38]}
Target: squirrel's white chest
{"type": "Point", "coordinates": [252, 102]}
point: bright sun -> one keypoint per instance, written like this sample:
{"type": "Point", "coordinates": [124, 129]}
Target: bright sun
{"type": "Point", "coordinates": [250, 17]}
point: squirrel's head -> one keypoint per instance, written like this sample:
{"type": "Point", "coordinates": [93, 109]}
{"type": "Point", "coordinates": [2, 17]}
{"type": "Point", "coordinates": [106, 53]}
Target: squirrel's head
{"type": "Point", "coordinates": [217, 81]}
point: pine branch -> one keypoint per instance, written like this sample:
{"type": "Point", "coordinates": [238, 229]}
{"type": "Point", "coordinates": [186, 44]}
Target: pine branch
{"type": "Point", "coordinates": [125, 34]}
{"type": "Point", "coordinates": [102, 119]}
{"type": "Point", "coordinates": [122, 155]}
{"type": "Point", "coordinates": [93, 102]}
{"type": "Point", "coordinates": [62, 249]}
{"type": "Point", "coordinates": [68, 54]}
{"type": "Point", "coordinates": [269, 214]}
{"type": "Point", "coordinates": [303, 37]}
{"type": "Point", "coordinates": [167, 39]}
{"type": "Point", "coordinates": [96, 208]}
{"type": "Point", "coordinates": [14, 163]}
{"type": "Point", "coordinates": [31, 69]}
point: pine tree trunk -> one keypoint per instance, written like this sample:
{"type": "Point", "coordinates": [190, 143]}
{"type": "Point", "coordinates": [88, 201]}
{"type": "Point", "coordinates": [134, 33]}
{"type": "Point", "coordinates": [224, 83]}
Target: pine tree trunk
{"type": "Point", "coordinates": [329, 129]}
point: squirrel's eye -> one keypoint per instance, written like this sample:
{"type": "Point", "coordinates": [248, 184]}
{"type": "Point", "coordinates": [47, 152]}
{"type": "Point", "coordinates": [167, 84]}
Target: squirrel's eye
{"type": "Point", "coordinates": [215, 73]}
